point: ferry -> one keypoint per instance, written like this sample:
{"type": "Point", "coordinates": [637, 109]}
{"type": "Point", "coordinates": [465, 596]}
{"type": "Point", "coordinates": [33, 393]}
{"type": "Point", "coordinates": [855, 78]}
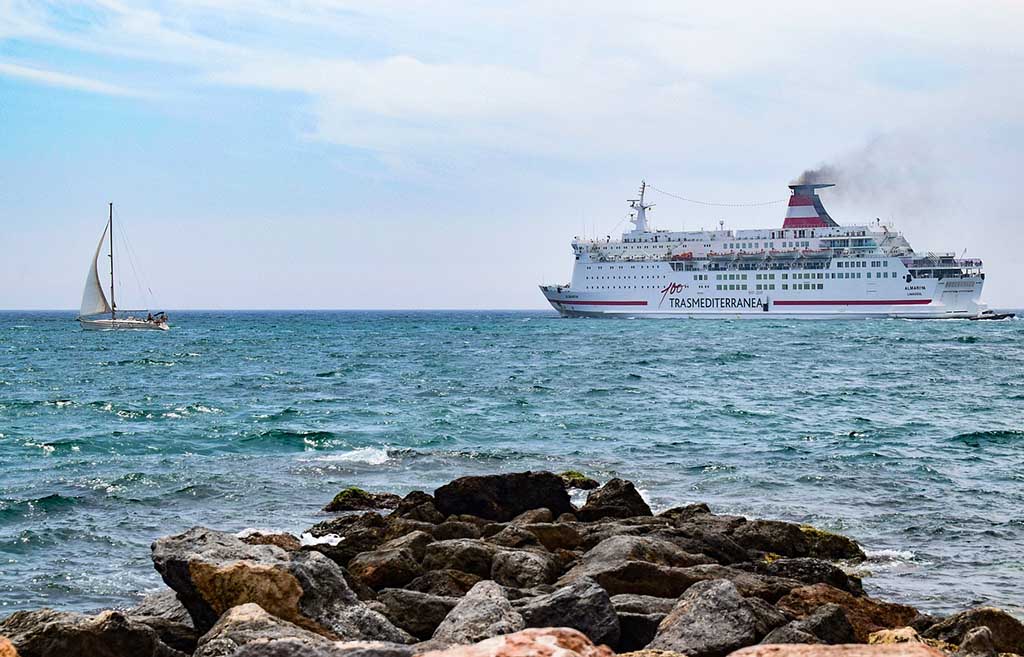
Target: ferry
{"type": "Point", "coordinates": [810, 268]}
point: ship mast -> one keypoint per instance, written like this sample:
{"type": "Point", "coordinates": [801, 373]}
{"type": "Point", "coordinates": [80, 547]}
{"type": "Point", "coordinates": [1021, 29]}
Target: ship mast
{"type": "Point", "coordinates": [110, 223]}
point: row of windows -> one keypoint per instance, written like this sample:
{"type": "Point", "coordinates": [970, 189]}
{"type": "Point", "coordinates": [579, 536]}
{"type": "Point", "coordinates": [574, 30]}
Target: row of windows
{"type": "Point", "coordinates": [764, 245]}
{"type": "Point", "coordinates": [861, 263]}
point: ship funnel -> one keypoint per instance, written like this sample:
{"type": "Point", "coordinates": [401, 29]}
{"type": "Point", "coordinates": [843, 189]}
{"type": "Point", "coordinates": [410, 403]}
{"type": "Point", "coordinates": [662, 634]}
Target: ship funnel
{"type": "Point", "coordinates": [805, 208]}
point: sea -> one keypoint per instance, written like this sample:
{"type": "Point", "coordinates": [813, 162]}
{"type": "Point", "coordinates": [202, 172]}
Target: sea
{"type": "Point", "coordinates": [906, 435]}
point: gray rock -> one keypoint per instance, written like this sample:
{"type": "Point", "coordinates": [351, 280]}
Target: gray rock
{"type": "Point", "coordinates": [1007, 631]}
{"type": "Point", "coordinates": [465, 554]}
{"type": "Point", "coordinates": [168, 617]}
{"type": "Point", "coordinates": [385, 568]}
{"type": "Point", "coordinates": [295, 648]}
{"type": "Point", "coordinates": [419, 506]}
{"type": "Point", "coordinates": [456, 529]}
{"type": "Point", "coordinates": [417, 613]}
{"type": "Point", "coordinates": [772, 536]}
{"type": "Point", "coordinates": [483, 613]}
{"type": "Point", "coordinates": [712, 619]}
{"type": "Point", "coordinates": [642, 604]}
{"type": "Point", "coordinates": [46, 632]}
{"type": "Point", "coordinates": [616, 499]}
{"type": "Point", "coordinates": [214, 571]}
{"type": "Point", "coordinates": [534, 516]}
{"type": "Point", "coordinates": [524, 568]}
{"type": "Point", "coordinates": [555, 536]}
{"type": "Point", "coordinates": [503, 497]}
{"type": "Point", "coordinates": [515, 537]}
{"type": "Point", "coordinates": [583, 606]}
{"type": "Point", "coordinates": [830, 624]}
{"type": "Point", "coordinates": [415, 541]}
{"type": "Point", "coordinates": [637, 564]}
{"type": "Point", "coordinates": [808, 571]}
{"type": "Point", "coordinates": [978, 642]}
{"type": "Point", "coordinates": [445, 583]}
{"type": "Point", "coordinates": [248, 623]}
{"type": "Point", "coordinates": [790, 633]}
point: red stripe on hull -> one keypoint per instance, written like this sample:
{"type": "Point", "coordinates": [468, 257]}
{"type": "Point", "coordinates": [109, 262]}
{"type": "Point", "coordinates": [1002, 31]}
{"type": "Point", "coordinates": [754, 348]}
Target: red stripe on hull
{"type": "Point", "coordinates": [575, 302]}
{"type": "Point", "coordinates": [861, 302]}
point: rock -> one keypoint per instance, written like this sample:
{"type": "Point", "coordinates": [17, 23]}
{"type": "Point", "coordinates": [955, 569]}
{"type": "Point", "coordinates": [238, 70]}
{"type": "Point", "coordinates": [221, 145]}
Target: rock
{"type": "Point", "coordinates": [7, 648]}
{"type": "Point", "coordinates": [749, 584]}
{"type": "Point", "coordinates": [583, 606]}
{"type": "Point", "coordinates": [282, 540]}
{"type": "Point", "coordinates": [1007, 631]}
{"type": "Point", "coordinates": [681, 513]}
{"type": "Point", "coordinates": [357, 534]}
{"type": "Point", "coordinates": [642, 604]}
{"type": "Point", "coordinates": [809, 571]}
{"type": "Point", "coordinates": [503, 497]}
{"type": "Point", "coordinates": [616, 499]}
{"type": "Point", "coordinates": [694, 538]}
{"type": "Point", "coordinates": [854, 650]}
{"type": "Point", "coordinates": [712, 619]}
{"type": "Point", "coordinates": [357, 499]}
{"type": "Point", "coordinates": [899, 635]}
{"type": "Point", "coordinates": [483, 613]}
{"type": "Point", "coordinates": [385, 568]}
{"type": "Point", "coordinates": [451, 583]}
{"type": "Point", "coordinates": [828, 624]}
{"type": "Point", "coordinates": [978, 641]}
{"type": "Point", "coordinates": [417, 613]}
{"type": "Point", "coordinates": [395, 527]}
{"type": "Point", "coordinates": [456, 529]}
{"type": "Point", "coordinates": [247, 623]}
{"type": "Point", "coordinates": [616, 559]}
{"type": "Point", "coordinates": [577, 480]}
{"type": "Point", "coordinates": [165, 614]}
{"type": "Point", "coordinates": [295, 648]}
{"type": "Point", "coordinates": [865, 614]}
{"type": "Point", "coordinates": [534, 516]}
{"type": "Point", "coordinates": [826, 545]}
{"type": "Point", "coordinates": [214, 571]}
{"type": "Point", "coordinates": [923, 621]}
{"type": "Point", "coordinates": [555, 536]}
{"type": "Point", "coordinates": [415, 541]}
{"type": "Point", "coordinates": [515, 537]}
{"type": "Point", "coordinates": [465, 554]}
{"type": "Point", "coordinates": [46, 633]}
{"type": "Point", "coordinates": [524, 568]}
{"type": "Point", "coordinates": [419, 506]}
{"type": "Point", "coordinates": [546, 642]}
{"type": "Point", "coordinates": [790, 633]}
{"type": "Point", "coordinates": [652, 653]}
{"type": "Point", "coordinates": [772, 536]}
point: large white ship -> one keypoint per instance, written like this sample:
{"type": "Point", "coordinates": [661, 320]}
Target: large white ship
{"type": "Point", "coordinates": [811, 268]}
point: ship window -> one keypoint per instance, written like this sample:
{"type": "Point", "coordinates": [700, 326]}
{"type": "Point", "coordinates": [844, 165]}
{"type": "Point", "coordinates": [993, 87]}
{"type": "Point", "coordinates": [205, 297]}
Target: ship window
{"type": "Point", "coordinates": [821, 286]}
{"type": "Point", "coordinates": [771, 286]}
{"type": "Point", "coordinates": [869, 274]}
{"type": "Point", "coordinates": [785, 287]}
{"type": "Point", "coordinates": [785, 276]}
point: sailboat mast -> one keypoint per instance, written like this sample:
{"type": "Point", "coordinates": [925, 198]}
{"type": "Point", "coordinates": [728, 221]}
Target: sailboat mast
{"type": "Point", "coordinates": [113, 305]}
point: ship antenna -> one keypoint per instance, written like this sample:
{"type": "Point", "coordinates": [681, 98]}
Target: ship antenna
{"type": "Point", "coordinates": [640, 220]}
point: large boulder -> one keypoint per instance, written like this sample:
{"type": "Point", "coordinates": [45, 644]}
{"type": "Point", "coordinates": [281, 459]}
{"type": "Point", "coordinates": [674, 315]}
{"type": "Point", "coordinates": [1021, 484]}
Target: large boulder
{"type": "Point", "coordinates": [164, 613]}
{"type": "Point", "coordinates": [635, 564]}
{"type": "Point", "coordinates": [248, 623]}
{"type": "Point", "coordinates": [826, 545]}
{"type": "Point", "coordinates": [415, 541]}
{"type": "Point", "coordinates": [345, 537]}
{"type": "Point", "coordinates": [417, 613]}
{"type": "Point", "coordinates": [445, 582]}
{"type": "Point", "coordinates": [772, 536]}
{"type": "Point", "coordinates": [483, 613]}
{"type": "Point", "coordinates": [357, 499]}
{"type": "Point", "coordinates": [380, 569]}
{"type": "Point", "coordinates": [418, 506]}
{"type": "Point", "coordinates": [616, 499]}
{"type": "Point", "coordinates": [583, 606]}
{"type": "Point", "coordinates": [214, 571]}
{"type": "Point", "coordinates": [808, 571]}
{"type": "Point", "coordinates": [295, 648]}
{"type": "Point", "coordinates": [828, 624]}
{"type": "Point", "coordinates": [555, 536]}
{"type": "Point", "coordinates": [524, 568]}
{"type": "Point", "coordinates": [545, 642]}
{"type": "Point", "coordinates": [712, 619]}
{"type": "Point", "coordinates": [466, 554]}
{"type": "Point", "coordinates": [7, 648]}
{"type": "Point", "coordinates": [46, 632]}
{"type": "Point", "coordinates": [1007, 631]}
{"type": "Point", "coordinates": [865, 614]}
{"type": "Point", "coordinates": [848, 650]}
{"type": "Point", "coordinates": [639, 618]}
{"type": "Point", "coordinates": [503, 497]}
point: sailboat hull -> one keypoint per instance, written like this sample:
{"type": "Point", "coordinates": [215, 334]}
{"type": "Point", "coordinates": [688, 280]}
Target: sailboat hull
{"type": "Point", "coordinates": [126, 324]}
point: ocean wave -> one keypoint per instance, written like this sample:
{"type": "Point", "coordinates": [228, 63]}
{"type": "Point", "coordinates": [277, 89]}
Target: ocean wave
{"type": "Point", "coordinates": [304, 439]}
{"type": "Point", "coordinates": [52, 503]}
{"type": "Point", "coordinates": [997, 437]}
{"type": "Point", "coordinates": [367, 455]}
{"type": "Point", "coordinates": [890, 555]}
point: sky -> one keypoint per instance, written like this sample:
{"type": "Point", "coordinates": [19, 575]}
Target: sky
{"type": "Point", "coordinates": [337, 154]}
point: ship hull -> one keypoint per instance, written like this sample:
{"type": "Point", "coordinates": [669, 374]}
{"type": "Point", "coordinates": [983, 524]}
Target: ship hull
{"type": "Point", "coordinates": [933, 299]}
{"type": "Point", "coordinates": [128, 324]}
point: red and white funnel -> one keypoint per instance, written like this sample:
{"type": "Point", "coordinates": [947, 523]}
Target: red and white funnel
{"type": "Point", "coordinates": [805, 208]}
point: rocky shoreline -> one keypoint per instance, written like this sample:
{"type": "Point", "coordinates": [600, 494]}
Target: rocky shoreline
{"type": "Point", "coordinates": [506, 565]}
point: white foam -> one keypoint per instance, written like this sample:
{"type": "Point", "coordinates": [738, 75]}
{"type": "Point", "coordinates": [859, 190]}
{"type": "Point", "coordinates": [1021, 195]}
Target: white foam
{"type": "Point", "coordinates": [890, 555]}
{"type": "Point", "coordinates": [329, 539]}
{"type": "Point", "coordinates": [368, 455]}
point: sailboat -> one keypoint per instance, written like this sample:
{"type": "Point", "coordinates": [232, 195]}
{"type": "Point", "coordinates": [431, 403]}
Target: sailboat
{"type": "Point", "coordinates": [100, 314]}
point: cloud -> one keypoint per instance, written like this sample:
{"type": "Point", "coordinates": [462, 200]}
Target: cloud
{"type": "Point", "coordinates": [55, 79]}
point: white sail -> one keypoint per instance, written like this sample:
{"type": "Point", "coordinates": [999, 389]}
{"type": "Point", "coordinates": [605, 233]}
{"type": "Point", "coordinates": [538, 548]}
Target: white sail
{"type": "Point", "coordinates": [94, 302]}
